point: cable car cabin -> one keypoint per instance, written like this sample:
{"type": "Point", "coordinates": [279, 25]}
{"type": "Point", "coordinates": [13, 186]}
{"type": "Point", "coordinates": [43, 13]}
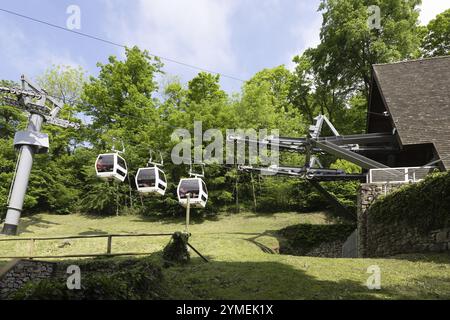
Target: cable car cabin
{"type": "Point", "coordinates": [197, 190]}
{"type": "Point", "coordinates": [151, 180]}
{"type": "Point", "coordinates": [111, 166]}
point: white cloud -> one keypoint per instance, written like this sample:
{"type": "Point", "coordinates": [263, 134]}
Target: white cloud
{"type": "Point", "coordinates": [28, 56]}
{"type": "Point", "coordinates": [195, 32]}
{"type": "Point", "coordinates": [430, 8]}
{"type": "Point", "coordinates": [307, 31]}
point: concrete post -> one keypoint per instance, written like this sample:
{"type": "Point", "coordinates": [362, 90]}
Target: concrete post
{"type": "Point", "coordinates": [20, 183]}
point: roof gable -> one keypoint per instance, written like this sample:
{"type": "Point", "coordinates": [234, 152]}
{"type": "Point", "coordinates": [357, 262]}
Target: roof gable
{"type": "Point", "coordinates": [417, 96]}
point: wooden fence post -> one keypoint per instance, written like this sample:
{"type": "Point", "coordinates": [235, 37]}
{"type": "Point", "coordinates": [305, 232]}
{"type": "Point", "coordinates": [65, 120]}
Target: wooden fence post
{"type": "Point", "coordinates": [108, 250]}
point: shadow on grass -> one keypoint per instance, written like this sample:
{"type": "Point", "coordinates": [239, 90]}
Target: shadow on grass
{"type": "Point", "coordinates": [259, 214]}
{"type": "Point", "coordinates": [194, 219]}
{"type": "Point", "coordinates": [274, 281]}
{"type": "Point", "coordinates": [93, 232]}
{"type": "Point", "coordinates": [264, 280]}
{"type": "Point", "coordinates": [423, 257]}
{"type": "Point", "coordinates": [256, 236]}
{"type": "Point", "coordinates": [35, 222]}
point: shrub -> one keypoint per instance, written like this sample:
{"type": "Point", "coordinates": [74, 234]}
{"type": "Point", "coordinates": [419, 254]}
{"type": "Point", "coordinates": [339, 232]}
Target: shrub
{"type": "Point", "coordinates": [102, 279]}
{"type": "Point", "coordinates": [304, 237]}
{"type": "Point", "coordinates": [424, 205]}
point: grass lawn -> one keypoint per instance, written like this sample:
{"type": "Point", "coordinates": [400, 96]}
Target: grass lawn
{"type": "Point", "coordinates": [241, 267]}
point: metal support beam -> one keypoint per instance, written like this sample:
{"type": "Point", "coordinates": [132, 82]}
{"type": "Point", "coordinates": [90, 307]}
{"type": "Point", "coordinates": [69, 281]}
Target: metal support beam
{"type": "Point", "coordinates": [351, 156]}
{"type": "Point", "coordinates": [340, 209]}
{"type": "Point", "coordinates": [361, 139]}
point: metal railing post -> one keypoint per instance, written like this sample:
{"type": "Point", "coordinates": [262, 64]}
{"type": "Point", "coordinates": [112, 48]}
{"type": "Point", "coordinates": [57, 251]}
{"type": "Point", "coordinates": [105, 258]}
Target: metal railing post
{"type": "Point", "coordinates": [188, 212]}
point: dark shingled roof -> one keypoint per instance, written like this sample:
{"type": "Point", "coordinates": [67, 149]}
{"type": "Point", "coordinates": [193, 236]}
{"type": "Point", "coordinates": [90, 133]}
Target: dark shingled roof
{"type": "Point", "coordinates": [417, 96]}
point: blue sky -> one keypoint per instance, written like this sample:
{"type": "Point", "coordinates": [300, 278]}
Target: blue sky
{"type": "Point", "coordinates": [234, 37]}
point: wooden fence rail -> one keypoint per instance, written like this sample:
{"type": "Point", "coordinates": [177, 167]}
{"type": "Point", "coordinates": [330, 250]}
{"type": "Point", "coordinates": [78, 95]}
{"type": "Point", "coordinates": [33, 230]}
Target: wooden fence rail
{"type": "Point", "coordinates": [32, 244]}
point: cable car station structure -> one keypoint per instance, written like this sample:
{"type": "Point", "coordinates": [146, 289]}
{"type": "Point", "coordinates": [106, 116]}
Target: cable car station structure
{"type": "Point", "coordinates": [408, 131]}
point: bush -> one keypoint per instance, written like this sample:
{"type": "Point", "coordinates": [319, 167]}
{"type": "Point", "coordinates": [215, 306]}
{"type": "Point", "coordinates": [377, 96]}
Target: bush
{"type": "Point", "coordinates": [102, 279]}
{"type": "Point", "coordinates": [304, 237]}
{"type": "Point", "coordinates": [424, 205]}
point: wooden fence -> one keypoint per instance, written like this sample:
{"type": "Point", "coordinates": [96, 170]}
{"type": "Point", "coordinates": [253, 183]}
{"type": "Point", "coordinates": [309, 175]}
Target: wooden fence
{"type": "Point", "coordinates": [108, 252]}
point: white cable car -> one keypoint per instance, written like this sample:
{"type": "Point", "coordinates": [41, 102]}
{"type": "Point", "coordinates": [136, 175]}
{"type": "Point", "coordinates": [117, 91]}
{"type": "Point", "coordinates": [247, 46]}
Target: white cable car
{"type": "Point", "coordinates": [196, 188]}
{"type": "Point", "coordinates": [151, 180]}
{"type": "Point", "coordinates": [111, 166]}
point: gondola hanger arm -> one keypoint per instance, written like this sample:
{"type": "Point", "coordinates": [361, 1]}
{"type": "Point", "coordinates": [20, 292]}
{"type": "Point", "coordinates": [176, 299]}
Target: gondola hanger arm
{"type": "Point", "coordinates": [194, 174]}
{"type": "Point", "coordinates": [150, 161]}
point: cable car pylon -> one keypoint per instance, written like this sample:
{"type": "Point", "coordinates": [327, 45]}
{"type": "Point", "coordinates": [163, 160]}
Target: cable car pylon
{"type": "Point", "coordinates": [32, 99]}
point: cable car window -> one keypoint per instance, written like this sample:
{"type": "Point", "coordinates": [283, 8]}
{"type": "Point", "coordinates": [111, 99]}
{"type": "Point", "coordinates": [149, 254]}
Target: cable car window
{"type": "Point", "coordinates": [162, 175]}
{"type": "Point", "coordinates": [146, 178]}
{"type": "Point", "coordinates": [189, 186]}
{"type": "Point", "coordinates": [123, 174]}
{"type": "Point", "coordinates": [105, 163]}
{"type": "Point", "coordinates": [204, 187]}
{"type": "Point", "coordinates": [121, 162]}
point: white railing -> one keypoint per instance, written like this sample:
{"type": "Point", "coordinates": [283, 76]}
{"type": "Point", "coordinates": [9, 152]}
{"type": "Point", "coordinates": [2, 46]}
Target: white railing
{"type": "Point", "coordinates": [398, 175]}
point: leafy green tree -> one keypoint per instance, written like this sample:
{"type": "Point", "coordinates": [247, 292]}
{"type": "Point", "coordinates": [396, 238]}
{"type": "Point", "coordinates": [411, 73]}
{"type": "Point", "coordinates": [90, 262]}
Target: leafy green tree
{"type": "Point", "coordinates": [63, 82]}
{"type": "Point", "coordinates": [265, 103]}
{"type": "Point", "coordinates": [123, 109]}
{"type": "Point", "coordinates": [349, 46]}
{"type": "Point", "coordinates": [334, 78]}
{"type": "Point", "coordinates": [437, 39]}
{"type": "Point", "coordinates": [203, 100]}
{"type": "Point", "coordinates": [11, 118]}
{"type": "Point", "coordinates": [205, 87]}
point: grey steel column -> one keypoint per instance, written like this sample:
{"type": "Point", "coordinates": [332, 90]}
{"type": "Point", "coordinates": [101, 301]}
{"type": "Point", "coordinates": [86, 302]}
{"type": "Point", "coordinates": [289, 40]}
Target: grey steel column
{"type": "Point", "coordinates": [20, 183]}
{"type": "Point", "coordinates": [188, 212]}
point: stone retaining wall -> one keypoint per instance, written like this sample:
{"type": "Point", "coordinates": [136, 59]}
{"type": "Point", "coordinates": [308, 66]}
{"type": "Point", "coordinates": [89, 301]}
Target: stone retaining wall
{"type": "Point", "coordinates": [327, 250]}
{"type": "Point", "coordinates": [14, 275]}
{"type": "Point", "coordinates": [379, 240]}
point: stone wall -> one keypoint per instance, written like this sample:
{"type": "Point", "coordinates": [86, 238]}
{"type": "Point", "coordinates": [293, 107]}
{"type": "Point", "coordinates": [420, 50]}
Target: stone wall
{"type": "Point", "coordinates": [327, 250]}
{"type": "Point", "coordinates": [379, 240]}
{"type": "Point", "coordinates": [14, 275]}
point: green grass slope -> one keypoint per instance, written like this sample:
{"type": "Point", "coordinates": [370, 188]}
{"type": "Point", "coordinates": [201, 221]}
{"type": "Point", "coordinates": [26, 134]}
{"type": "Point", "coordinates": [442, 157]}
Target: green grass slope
{"type": "Point", "coordinates": [242, 266]}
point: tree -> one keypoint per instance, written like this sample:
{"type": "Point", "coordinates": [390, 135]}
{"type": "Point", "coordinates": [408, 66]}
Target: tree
{"type": "Point", "coordinates": [205, 86]}
{"type": "Point", "coordinates": [331, 78]}
{"type": "Point", "coordinates": [63, 82]}
{"type": "Point", "coordinates": [349, 46]}
{"type": "Point", "coordinates": [120, 100]}
{"type": "Point", "coordinates": [124, 110]}
{"type": "Point", "coordinates": [301, 87]}
{"type": "Point", "coordinates": [11, 118]}
{"type": "Point", "coordinates": [265, 103]}
{"type": "Point", "coordinates": [437, 39]}
{"type": "Point", "coordinates": [203, 100]}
